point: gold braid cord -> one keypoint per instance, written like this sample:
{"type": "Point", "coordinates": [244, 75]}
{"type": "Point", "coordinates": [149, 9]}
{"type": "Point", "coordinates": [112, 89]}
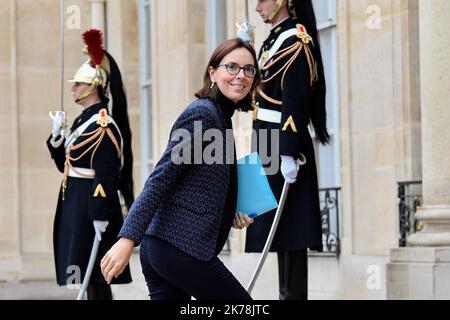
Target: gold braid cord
{"type": "Point", "coordinates": [96, 138]}
{"type": "Point", "coordinates": [295, 51]}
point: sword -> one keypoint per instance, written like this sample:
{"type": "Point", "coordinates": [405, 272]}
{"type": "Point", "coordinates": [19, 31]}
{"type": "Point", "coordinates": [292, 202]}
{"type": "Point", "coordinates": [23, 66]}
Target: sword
{"type": "Point", "coordinates": [89, 269]}
{"type": "Point", "coordinates": [62, 53]}
{"type": "Point", "coordinates": [273, 229]}
{"type": "Point", "coordinates": [53, 114]}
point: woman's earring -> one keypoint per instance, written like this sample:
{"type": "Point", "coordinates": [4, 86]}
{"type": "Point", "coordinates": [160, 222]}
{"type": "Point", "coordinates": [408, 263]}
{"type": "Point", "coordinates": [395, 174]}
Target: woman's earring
{"type": "Point", "coordinates": [212, 85]}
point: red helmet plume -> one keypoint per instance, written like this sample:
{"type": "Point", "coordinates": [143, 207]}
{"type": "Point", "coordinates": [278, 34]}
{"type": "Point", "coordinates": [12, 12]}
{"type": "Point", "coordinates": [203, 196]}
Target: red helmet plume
{"type": "Point", "coordinates": [94, 42]}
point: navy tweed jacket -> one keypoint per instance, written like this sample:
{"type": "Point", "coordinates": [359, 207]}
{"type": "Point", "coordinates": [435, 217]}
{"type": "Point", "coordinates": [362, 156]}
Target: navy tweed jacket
{"type": "Point", "coordinates": [191, 206]}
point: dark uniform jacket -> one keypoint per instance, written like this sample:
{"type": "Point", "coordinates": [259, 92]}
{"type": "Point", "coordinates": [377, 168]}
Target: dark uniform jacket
{"type": "Point", "coordinates": [86, 199]}
{"type": "Point", "coordinates": [191, 206]}
{"type": "Point", "coordinates": [290, 92]}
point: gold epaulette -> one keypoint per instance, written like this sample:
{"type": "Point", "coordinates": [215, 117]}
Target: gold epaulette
{"type": "Point", "coordinates": [92, 142]}
{"type": "Point", "coordinates": [103, 120]}
{"type": "Point", "coordinates": [291, 53]}
{"type": "Point", "coordinates": [302, 34]}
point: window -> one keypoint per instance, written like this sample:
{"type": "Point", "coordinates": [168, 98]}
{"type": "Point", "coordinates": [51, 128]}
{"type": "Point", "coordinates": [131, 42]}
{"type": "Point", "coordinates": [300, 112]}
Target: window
{"type": "Point", "coordinates": [328, 157]}
{"type": "Point", "coordinates": [147, 161]}
{"type": "Point", "coordinates": [216, 30]}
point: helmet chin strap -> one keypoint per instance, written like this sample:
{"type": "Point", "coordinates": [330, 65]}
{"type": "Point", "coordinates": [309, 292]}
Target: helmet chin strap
{"type": "Point", "coordinates": [86, 93]}
{"type": "Point", "coordinates": [276, 8]}
{"type": "Point", "coordinates": [97, 81]}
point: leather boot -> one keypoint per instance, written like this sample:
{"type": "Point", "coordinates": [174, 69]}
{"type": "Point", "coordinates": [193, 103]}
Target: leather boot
{"type": "Point", "coordinates": [99, 292]}
{"type": "Point", "coordinates": [293, 275]}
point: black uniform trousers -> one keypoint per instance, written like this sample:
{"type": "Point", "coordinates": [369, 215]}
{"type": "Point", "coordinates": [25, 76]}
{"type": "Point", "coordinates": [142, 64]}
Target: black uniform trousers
{"type": "Point", "coordinates": [100, 291]}
{"type": "Point", "coordinates": [172, 274]}
{"type": "Point", "coordinates": [293, 275]}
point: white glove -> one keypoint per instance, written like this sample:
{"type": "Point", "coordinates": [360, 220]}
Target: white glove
{"type": "Point", "coordinates": [289, 169]}
{"type": "Point", "coordinates": [100, 227]}
{"type": "Point", "coordinates": [246, 31]}
{"type": "Point", "coordinates": [59, 120]}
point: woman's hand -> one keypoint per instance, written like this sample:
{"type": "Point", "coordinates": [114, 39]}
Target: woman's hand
{"type": "Point", "coordinates": [116, 259]}
{"type": "Point", "coordinates": [241, 221]}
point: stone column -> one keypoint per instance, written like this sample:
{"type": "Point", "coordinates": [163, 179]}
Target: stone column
{"type": "Point", "coordinates": [98, 14]}
{"type": "Point", "coordinates": [422, 271]}
{"type": "Point", "coordinates": [216, 26]}
{"type": "Point", "coordinates": [435, 93]}
{"type": "Point", "coordinates": [10, 204]}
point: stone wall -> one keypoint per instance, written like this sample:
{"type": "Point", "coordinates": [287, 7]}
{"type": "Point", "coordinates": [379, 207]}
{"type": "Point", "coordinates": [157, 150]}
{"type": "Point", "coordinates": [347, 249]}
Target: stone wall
{"type": "Point", "coordinates": [380, 129]}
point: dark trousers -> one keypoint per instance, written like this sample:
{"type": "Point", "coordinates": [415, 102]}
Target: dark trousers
{"type": "Point", "coordinates": [172, 274]}
{"type": "Point", "coordinates": [99, 292]}
{"type": "Point", "coordinates": [293, 275]}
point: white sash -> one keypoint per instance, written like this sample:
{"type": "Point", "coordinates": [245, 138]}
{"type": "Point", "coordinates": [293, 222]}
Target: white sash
{"type": "Point", "coordinates": [70, 140]}
{"type": "Point", "coordinates": [276, 46]}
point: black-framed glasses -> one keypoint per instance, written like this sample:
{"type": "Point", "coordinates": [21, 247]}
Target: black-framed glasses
{"type": "Point", "coordinates": [234, 69]}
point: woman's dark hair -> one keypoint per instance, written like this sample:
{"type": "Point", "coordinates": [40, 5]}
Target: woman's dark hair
{"type": "Point", "coordinates": [305, 15]}
{"type": "Point", "coordinates": [206, 92]}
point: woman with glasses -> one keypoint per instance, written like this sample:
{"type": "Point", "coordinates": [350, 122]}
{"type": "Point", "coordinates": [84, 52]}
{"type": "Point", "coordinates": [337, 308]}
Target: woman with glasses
{"type": "Point", "coordinates": [188, 205]}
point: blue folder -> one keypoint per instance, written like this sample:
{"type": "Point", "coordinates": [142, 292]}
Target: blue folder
{"type": "Point", "coordinates": [255, 196]}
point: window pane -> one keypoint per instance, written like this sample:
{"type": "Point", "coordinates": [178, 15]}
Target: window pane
{"type": "Point", "coordinates": [328, 56]}
{"type": "Point", "coordinates": [150, 166]}
{"type": "Point", "coordinates": [323, 10]}
{"type": "Point", "coordinates": [328, 158]}
{"type": "Point", "coordinates": [146, 132]}
{"type": "Point", "coordinates": [327, 165]}
{"type": "Point", "coordinates": [149, 121]}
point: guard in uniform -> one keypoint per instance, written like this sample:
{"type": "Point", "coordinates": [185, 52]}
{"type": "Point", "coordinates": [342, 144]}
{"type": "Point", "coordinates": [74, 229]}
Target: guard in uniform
{"type": "Point", "coordinates": [96, 160]}
{"type": "Point", "coordinates": [291, 97]}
